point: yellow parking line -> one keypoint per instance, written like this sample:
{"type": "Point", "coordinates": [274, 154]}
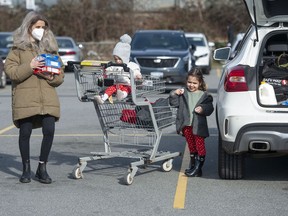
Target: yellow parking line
{"type": "Point", "coordinates": [180, 194]}
{"type": "Point", "coordinates": [218, 72]}
{"type": "Point", "coordinates": [7, 129]}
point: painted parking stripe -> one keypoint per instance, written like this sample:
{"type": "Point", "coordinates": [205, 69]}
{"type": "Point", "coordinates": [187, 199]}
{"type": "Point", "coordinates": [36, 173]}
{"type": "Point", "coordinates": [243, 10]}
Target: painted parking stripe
{"type": "Point", "coordinates": [180, 194]}
{"type": "Point", "coordinates": [7, 129]}
{"type": "Point", "coordinates": [218, 72]}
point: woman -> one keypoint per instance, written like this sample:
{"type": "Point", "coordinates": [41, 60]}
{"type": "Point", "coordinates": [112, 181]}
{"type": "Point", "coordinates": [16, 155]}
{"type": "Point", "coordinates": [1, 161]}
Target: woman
{"type": "Point", "coordinates": [35, 102]}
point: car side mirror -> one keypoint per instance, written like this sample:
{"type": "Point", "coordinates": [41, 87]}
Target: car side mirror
{"type": "Point", "coordinates": [80, 46]}
{"type": "Point", "coordinates": [222, 53]}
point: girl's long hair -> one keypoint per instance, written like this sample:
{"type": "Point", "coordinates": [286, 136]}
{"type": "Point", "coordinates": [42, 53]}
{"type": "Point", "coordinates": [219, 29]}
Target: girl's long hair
{"type": "Point", "coordinates": [22, 35]}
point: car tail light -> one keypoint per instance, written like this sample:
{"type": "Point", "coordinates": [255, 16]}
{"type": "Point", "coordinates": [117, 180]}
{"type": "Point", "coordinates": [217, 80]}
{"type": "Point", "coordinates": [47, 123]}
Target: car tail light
{"type": "Point", "coordinates": [70, 53]}
{"type": "Point", "coordinates": [235, 80]}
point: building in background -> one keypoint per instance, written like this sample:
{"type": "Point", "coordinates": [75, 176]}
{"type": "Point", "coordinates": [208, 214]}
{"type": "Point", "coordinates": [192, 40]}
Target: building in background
{"type": "Point", "coordinates": [30, 2]}
{"type": "Point", "coordinates": [6, 3]}
{"type": "Point", "coordinates": [150, 5]}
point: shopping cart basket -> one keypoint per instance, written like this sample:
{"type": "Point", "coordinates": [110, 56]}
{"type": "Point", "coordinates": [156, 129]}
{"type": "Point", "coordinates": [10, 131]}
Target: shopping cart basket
{"type": "Point", "coordinates": [135, 124]}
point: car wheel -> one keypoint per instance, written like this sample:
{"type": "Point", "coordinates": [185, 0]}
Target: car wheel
{"type": "Point", "coordinates": [230, 166]}
{"type": "Point", "coordinates": [206, 70]}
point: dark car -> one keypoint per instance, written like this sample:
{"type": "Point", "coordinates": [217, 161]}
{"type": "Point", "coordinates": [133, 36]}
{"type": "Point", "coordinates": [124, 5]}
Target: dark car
{"type": "Point", "coordinates": [6, 41]}
{"type": "Point", "coordinates": [162, 53]}
{"type": "Point", "coordinates": [2, 74]}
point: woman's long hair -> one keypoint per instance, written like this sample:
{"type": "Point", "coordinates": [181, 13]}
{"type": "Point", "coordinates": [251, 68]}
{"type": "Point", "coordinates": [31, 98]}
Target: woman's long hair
{"type": "Point", "coordinates": [22, 35]}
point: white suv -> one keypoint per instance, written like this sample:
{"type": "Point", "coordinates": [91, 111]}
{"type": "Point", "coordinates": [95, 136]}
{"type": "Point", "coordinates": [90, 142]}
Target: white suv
{"type": "Point", "coordinates": [247, 126]}
{"type": "Point", "coordinates": [202, 53]}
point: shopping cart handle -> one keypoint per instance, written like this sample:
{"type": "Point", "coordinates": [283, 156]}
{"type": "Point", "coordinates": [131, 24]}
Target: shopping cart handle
{"type": "Point", "coordinates": [109, 64]}
{"type": "Point", "coordinates": [71, 63]}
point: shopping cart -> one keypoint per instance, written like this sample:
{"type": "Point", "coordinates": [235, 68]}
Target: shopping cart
{"type": "Point", "coordinates": [135, 124]}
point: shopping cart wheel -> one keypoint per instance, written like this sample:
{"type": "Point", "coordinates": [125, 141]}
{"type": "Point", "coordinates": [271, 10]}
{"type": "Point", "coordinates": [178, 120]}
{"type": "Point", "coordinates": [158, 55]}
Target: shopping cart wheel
{"type": "Point", "coordinates": [77, 174]}
{"type": "Point", "coordinates": [128, 179]}
{"type": "Point", "coordinates": [167, 165]}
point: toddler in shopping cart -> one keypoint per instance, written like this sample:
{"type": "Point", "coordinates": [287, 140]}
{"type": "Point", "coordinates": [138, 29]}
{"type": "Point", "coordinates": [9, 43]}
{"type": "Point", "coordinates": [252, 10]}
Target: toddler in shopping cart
{"type": "Point", "coordinates": [121, 55]}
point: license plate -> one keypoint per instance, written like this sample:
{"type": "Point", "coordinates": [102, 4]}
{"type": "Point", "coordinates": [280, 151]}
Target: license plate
{"type": "Point", "coordinates": [156, 74]}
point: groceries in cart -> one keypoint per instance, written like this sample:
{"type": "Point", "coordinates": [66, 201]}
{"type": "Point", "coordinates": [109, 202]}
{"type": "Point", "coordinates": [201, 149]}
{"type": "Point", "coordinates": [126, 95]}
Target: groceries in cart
{"type": "Point", "coordinates": [122, 85]}
{"type": "Point", "coordinates": [51, 65]}
{"type": "Point", "coordinates": [140, 115]}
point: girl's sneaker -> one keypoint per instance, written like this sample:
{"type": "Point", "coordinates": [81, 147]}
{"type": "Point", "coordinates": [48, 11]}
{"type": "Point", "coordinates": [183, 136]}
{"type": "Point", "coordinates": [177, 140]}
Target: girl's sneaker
{"type": "Point", "coordinates": [121, 95]}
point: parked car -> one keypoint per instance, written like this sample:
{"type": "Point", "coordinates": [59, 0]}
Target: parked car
{"type": "Point", "coordinates": [2, 75]}
{"type": "Point", "coordinates": [248, 126]}
{"type": "Point", "coordinates": [163, 53]}
{"type": "Point", "coordinates": [69, 51]}
{"type": "Point", "coordinates": [202, 53]}
{"type": "Point", "coordinates": [236, 44]}
{"type": "Point", "coordinates": [6, 41]}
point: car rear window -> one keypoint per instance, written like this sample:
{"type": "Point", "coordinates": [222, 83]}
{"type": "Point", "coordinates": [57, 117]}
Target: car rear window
{"type": "Point", "coordinates": [143, 41]}
{"type": "Point", "coordinates": [196, 41]}
{"type": "Point", "coordinates": [63, 43]}
{"type": "Point", "coordinates": [5, 40]}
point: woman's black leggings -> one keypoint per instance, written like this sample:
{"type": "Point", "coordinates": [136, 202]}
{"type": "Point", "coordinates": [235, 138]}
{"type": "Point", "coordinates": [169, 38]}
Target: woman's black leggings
{"type": "Point", "coordinates": [48, 129]}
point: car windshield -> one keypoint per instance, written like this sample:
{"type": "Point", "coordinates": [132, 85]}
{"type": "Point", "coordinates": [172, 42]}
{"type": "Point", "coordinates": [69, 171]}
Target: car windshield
{"type": "Point", "coordinates": [6, 40]}
{"type": "Point", "coordinates": [143, 41]}
{"type": "Point", "coordinates": [64, 43]}
{"type": "Point", "coordinates": [196, 41]}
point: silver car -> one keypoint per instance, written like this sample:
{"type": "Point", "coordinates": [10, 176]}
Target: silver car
{"type": "Point", "coordinates": [249, 125]}
{"type": "Point", "coordinates": [68, 50]}
{"type": "Point", "coordinates": [235, 44]}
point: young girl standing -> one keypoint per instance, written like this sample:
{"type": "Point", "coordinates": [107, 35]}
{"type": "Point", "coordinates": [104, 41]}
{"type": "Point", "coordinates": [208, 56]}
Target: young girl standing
{"type": "Point", "coordinates": [194, 104]}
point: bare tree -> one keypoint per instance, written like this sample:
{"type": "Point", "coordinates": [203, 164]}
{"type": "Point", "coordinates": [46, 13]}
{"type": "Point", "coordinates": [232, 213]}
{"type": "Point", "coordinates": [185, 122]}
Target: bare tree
{"type": "Point", "coordinates": [87, 20]}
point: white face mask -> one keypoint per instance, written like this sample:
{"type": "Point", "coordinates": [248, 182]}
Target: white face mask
{"type": "Point", "coordinates": [38, 33]}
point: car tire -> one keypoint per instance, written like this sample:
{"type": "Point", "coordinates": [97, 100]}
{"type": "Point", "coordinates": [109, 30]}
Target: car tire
{"type": "Point", "coordinates": [230, 166]}
{"type": "Point", "coordinates": [68, 69]}
{"type": "Point", "coordinates": [207, 71]}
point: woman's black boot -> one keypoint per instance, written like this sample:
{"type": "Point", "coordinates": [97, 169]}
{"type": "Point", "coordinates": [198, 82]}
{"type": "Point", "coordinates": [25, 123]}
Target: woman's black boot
{"type": "Point", "coordinates": [192, 162]}
{"type": "Point", "coordinates": [42, 174]}
{"type": "Point", "coordinates": [26, 175]}
{"type": "Point", "coordinates": [197, 171]}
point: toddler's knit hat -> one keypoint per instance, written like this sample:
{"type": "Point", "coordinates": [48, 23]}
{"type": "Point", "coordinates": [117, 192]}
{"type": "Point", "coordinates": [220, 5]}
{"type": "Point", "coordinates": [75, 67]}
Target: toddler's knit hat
{"type": "Point", "coordinates": [123, 48]}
